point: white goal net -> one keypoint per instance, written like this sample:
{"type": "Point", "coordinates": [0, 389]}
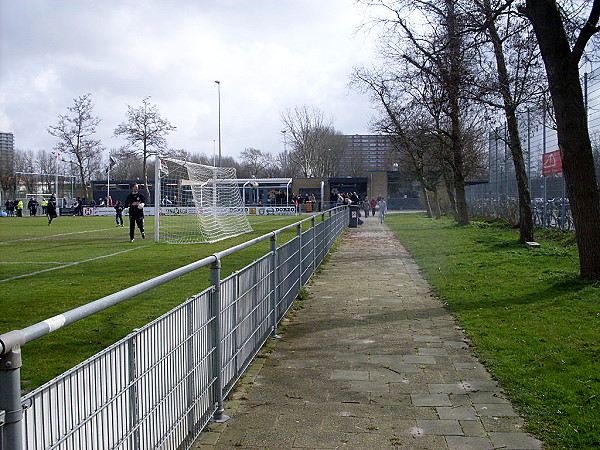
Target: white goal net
{"type": "Point", "coordinates": [198, 203]}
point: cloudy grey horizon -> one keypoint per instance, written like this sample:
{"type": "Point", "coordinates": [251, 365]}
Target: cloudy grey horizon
{"type": "Point", "coordinates": [268, 55]}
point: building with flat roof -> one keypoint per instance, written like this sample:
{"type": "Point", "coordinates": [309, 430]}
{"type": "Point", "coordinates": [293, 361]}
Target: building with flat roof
{"type": "Point", "coordinates": [7, 152]}
{"type": "Point", "coordinates": [365, 153]}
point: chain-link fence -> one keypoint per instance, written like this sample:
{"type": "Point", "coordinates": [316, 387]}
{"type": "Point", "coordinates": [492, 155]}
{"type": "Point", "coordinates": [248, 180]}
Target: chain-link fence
{"type": "Point", "coordinates": [498, 195]}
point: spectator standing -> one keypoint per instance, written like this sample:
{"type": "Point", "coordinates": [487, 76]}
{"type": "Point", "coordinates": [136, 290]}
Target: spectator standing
{"type": "Point", "coordinates": [382, 208]}
{"type": "Point", "coordinates": [51, 209]}
{"type": "Point", "coordinates": [119, 213]}
{"type": "Point", "coordinates": [373, 203]}
{"type": "Point", "coordinates": [366, 206]}
{"type": "Point", "coordinates": [135, 202]}
{"type": "Point", "coordinates": [19, 208]}
{"type": "Point", "coordinates": [44, 206]}
{"type": "Point", "coordinates": [78, 211]}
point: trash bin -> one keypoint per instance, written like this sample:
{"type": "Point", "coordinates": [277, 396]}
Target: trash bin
{"type": "Point", "coordinates": [309, 207]}
{"type": "Point", "coordinates": [354, 213]}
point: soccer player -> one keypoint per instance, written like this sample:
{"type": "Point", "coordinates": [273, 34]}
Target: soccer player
{"type": "Point", "coordinates": [135, 202]}
{"type": "Point", "coordinates": [119, 213]}
{"type": "Point", "coordinates": [51, 209]}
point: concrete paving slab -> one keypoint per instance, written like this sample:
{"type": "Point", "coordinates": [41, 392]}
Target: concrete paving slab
{"type": "Point", "coordinates": [371, 361]}
{"type": "Point", "coordinates": [514, 441]}
{"type": "Point", "coordinates": [457, 413]}
{"type": "Point", "coordinates": [440, 427]}
{"type": "Point", "coordinates": [468, 443]}
{"type": "Point", "coordinates": [430, 400]}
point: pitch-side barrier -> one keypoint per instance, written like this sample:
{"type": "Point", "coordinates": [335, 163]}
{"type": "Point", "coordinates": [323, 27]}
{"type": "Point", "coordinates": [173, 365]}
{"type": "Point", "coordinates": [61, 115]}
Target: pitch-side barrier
{"type": "Point", "coordinates": [159, 386]}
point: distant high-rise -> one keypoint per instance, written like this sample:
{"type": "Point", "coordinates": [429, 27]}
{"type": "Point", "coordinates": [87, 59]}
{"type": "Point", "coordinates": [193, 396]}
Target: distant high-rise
{"type": "Point", "coordinates": [7, 153]}
{"type": "Point", "coordinates": [365, 153]}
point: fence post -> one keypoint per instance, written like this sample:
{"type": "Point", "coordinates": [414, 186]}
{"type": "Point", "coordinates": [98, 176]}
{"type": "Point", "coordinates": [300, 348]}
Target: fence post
{"type": "Point", "coordinates": [191, 374]}
{"type": "Point", "coordinates": [215, 303]}
{"type": "Point", "coordinates": [299, 234]}
{"type": "Point", "coordinates": [327, 230]}
{"type": "Point", "coordinates": [10, 400]}
{"type": "Point", "coordinates": [314, 245]}
{"type": "Point", "coordinates": [274, 286]}
{"type": "Point", "coordinates": [133, 391]}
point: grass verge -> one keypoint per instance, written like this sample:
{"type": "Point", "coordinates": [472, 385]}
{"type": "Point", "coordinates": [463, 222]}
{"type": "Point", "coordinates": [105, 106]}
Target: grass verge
{"type": "Point", "coordinates": [533, 321]}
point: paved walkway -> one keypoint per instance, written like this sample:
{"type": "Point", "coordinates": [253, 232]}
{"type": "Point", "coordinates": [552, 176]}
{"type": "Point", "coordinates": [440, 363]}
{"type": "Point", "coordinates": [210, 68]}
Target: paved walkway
{"type": "Point", "coordinates": [372, 361]}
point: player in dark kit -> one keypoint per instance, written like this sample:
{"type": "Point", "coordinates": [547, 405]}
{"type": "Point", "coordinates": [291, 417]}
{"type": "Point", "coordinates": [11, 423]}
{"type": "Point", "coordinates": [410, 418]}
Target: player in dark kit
{"type": "Point", "coordinates": [135, 202]}
{"type": "Point", "coordinates": [51, 209]}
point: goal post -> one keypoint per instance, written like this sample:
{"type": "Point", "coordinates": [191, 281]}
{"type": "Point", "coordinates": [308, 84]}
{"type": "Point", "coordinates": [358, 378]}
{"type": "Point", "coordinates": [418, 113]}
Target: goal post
{"type": "Point", "coordinates": [197, 203]}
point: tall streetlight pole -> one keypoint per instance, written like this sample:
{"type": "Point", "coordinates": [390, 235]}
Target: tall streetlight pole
{"type": "Point", "coordinates": [219, 91]}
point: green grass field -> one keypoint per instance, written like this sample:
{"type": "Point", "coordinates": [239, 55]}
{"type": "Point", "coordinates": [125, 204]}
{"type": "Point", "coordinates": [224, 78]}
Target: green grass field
{"type": "Point", "coordinates": [533, 321]}
{"type": "Point", "coordinates": [47, 270]}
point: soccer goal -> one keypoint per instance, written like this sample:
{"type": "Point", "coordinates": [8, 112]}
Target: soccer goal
{"type": "Point", "coordinates": [198, 203]}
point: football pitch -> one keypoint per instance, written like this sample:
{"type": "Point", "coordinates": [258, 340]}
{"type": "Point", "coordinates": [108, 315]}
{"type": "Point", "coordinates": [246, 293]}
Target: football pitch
{"type": "Point", "coordinates": [47, 270]}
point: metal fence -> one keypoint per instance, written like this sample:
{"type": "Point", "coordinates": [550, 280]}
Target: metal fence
{"type": "Point", "coordinates": [498, 196]}
{"type": "Point", "coordinates": [161, 385]}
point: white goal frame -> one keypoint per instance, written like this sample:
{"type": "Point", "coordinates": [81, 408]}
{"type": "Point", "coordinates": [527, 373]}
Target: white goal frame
{"type": "Point", "coordinates": [216, 210]}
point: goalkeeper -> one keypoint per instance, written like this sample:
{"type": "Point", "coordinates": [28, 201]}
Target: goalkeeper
{"type": "Point", "coordinates": [135, 202]}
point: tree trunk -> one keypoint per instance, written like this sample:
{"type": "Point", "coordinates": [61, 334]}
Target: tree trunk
{"type": "Point", "coordinates": [462, 209]}
{"type": "Point", "coordinates": [572, 130]}
{"type": "Point", "coordinates": [426, 196]}
{"type": "Point", "coordinates": [449, 183]}
{"type": "Point", "coordinates": [514, 141]}
{"type": "Point", "coordinates": [436, 202]}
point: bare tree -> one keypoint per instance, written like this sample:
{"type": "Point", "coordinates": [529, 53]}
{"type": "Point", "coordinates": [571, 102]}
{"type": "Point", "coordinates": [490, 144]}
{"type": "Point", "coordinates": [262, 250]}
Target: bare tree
{"type": "Point", "coordinates": [128, 165]}
{"type": "Point", "coordinates": [334, 145]}
{"type": "Point", "coordinates": [46, 165]}
{"type": "Point", "coordinates": [200, 158]}
{"type": "Point", "coordinates": [255, 161]}
{"type": "Point", "coordinates": [315, 148]}
{"type": "Point", "coordinates": [561, 60]}
{"type": "Point", "coordinates": [512, 79]}
{"type": "Point", "coordinates": [417, 150]}
{"type": "Point", "coordinates": [75, 131]}
{"type": "Point", "coordinates": [429, 35]}
{"type": "Point", "coordinates": [272, 169]}
{"type": "Point", "coordinates": [144, 130]}
{"type": "Point", "coordinates": [286, 164]}
{"type": "Point", "coordinates": [25, 166]}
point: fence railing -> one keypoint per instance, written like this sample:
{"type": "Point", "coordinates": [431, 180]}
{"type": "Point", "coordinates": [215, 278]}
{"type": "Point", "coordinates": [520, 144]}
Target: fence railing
{"type": "Point", "coordinates": [159, 386]}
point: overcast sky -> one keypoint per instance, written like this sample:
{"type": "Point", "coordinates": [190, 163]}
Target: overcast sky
{"type": "Point", "coordinates": [269, 55]}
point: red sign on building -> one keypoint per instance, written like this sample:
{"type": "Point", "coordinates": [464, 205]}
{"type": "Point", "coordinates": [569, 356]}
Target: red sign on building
{"type": "Point", "coordinates": [551, 163]}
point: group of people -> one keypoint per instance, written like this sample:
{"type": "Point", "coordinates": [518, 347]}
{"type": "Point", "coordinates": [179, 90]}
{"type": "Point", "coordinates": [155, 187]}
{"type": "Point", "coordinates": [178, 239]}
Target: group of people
{"type": "Point", "coordinates": [369, 206]}
{"type": "Point", "coordinates": [135, 201]}
{"type": "Point", "coordinates": [372, 206]}
{"type": "Point", "coordinates": [15, 207]}
{"type": "Point", "coordinates": [300, 199]}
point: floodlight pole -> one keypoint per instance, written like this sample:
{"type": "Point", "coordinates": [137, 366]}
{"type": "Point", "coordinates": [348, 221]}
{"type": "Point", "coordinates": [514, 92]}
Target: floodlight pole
{"type": "Point", "coordinates": [219, 94]}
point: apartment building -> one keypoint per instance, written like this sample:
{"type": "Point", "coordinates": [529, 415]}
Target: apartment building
{"type": "Point", "coordinates": [365, 153]}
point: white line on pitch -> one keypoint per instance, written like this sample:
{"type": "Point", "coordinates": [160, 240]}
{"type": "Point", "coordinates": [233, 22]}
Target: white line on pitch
{"type": "Point", "coordinates": [54, 235]}
{"type": "Point", "coordinates": [71, 264]}
{"type": "Point", "coordinates": [32, 262]}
